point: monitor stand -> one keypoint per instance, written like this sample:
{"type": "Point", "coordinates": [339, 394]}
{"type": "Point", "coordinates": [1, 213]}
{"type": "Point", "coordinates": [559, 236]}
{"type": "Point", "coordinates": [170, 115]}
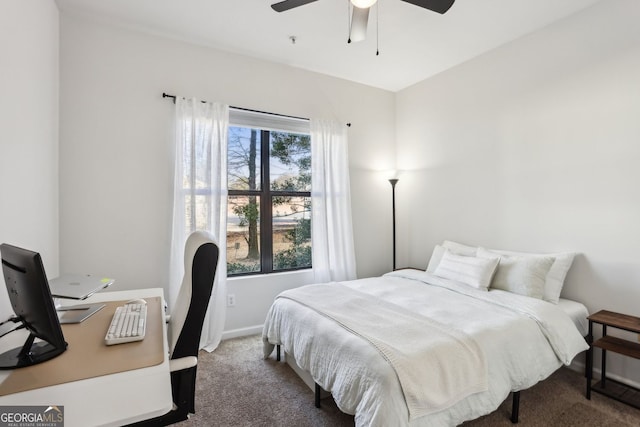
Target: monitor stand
{"type": "Point", "coordinates": [29, 354]}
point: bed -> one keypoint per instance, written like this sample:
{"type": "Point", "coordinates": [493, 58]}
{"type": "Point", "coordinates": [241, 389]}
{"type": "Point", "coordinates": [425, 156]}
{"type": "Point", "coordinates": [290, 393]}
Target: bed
{"type": "Point", "coordinates": [418, 348]}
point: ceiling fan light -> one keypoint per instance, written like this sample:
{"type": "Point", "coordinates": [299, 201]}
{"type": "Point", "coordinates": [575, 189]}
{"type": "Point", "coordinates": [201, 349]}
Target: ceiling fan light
{"type": "Point", "coordinates": [363, 4]}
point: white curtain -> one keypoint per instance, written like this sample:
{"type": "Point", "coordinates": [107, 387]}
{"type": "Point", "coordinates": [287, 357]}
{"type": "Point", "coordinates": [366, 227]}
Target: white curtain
{"type": "Point", "coordinates": [331, 227]}
{"type": "Point", "coordinates": [200, 199]}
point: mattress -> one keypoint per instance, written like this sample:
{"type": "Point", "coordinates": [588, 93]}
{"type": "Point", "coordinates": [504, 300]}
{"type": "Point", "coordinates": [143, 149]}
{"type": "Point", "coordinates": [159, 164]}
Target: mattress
{"type": "Point", "coordinates": [577, 312]}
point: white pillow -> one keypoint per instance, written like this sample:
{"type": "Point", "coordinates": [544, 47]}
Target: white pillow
{"type": "Point", "coordinates": [436, 256]}
{"type": "Point", "coordinates": [556, 275]}
{"type": "Point", "coordinates": [453, 247]}
{"type": "Point", "coordinates": [459, 248]}
{"type": "Point", "coordinates": [524, 275]}
{"type": "Point", "coordinates": [473, 271]}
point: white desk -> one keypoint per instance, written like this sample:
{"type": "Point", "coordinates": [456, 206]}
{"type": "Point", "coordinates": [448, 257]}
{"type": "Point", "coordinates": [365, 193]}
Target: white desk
{"type": "Point", "coordinates": [108, 400]}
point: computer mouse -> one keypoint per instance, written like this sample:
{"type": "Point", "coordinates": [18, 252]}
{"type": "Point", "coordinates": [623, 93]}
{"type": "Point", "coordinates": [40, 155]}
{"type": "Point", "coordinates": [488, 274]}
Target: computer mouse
{"type": "Point", "coordinates": [136, 301]}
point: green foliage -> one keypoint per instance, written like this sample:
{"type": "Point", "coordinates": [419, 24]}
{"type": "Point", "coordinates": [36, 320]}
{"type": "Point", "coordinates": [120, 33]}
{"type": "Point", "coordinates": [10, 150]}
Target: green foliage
{"type": "Point", "coordinates": [237, 267]}
{"type": "Point", "coordinates": [287, 148]}
{"type": "Point", "coordinates": [295, 257]}
{"type": "Point", "coordinates": [248, 213]}
{"type": "Point", "coordinates": [292, 150]}
{"type": "Point", "coordinates": [301, 234]}
{"type": "Point", "coordinates": [299, 255]}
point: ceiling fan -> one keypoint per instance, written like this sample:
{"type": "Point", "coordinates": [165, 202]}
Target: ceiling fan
{"type": "Point", "coordinates": [360, 14]}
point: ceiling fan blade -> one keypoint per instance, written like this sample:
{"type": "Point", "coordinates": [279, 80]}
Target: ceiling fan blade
{"type": "Point", "coordinates": [359, 20]}
{"type": "Point", "coordinates": [440, 6]}
{"type": "Point", "coordinates": [289, 4]}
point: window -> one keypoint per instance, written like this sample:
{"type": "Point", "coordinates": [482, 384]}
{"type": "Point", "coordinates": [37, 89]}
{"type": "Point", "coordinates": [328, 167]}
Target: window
{"type": "Point", "coordinates": [269, 205]}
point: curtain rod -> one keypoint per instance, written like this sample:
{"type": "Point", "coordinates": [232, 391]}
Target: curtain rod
{"type": "Point", "coordinates": [173, 97]}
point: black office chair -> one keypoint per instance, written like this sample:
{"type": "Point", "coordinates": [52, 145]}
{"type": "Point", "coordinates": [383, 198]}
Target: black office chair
{"type": "Point", "coordinates": [185, 325]}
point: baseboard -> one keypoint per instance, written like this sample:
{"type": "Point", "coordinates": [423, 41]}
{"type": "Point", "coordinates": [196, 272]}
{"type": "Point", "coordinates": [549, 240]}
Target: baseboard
{"type": "Point", "coordinates": [242, 332]}
{"type": "Point", "coordinates": [580, 366]}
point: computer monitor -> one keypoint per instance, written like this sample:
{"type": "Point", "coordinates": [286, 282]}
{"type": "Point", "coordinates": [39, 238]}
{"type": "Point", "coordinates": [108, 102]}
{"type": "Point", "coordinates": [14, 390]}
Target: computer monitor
{"type": "Point", "coordinates": [33, 305]}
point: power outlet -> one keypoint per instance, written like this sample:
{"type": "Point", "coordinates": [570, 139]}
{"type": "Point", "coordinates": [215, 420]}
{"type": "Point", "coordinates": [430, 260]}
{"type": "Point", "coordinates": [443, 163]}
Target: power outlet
{"type": "Point", "coordinates": [231, 300]}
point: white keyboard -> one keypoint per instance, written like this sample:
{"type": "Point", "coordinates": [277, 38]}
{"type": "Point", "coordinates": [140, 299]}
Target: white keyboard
{"type": "Point", "coordinates": [128, 324]}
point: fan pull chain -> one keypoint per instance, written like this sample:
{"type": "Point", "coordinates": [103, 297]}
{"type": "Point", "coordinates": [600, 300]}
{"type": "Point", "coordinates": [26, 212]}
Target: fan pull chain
{"type": "Point", "coordinates": [377, 28]}
{"type": "Point", "coordinates": [349, 20]}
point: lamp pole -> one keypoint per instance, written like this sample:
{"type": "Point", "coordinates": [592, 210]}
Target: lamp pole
{"type": "Point", "coordinates": [393, 182]}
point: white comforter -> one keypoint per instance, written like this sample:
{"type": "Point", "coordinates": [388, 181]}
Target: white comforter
{"type": "Point", "coordinates": [524, 340]}
{"type": "Point", "coordinates": [455, 368]}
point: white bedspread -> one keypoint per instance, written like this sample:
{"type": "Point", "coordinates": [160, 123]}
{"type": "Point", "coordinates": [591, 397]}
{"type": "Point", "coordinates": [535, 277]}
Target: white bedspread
{"type": "Point", "coordinates": [450, 361]}
{"type": "Point", "coordinates": [524, 341]}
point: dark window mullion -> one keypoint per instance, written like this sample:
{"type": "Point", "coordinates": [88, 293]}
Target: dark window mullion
{"type": "Point", "coordinates": [266, 220]}
{"type": "Point", "coordinates": [244, 192]}
{"type": "Point", "coordinates": [291, 193]}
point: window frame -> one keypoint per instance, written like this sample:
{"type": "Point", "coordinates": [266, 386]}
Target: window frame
{"type": "Point", "coordinates": [266, 194]}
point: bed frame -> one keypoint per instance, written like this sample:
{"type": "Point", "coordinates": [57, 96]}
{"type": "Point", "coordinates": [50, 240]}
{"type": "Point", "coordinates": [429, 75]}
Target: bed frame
{"type": "Point", "coordinates": [319, 393]}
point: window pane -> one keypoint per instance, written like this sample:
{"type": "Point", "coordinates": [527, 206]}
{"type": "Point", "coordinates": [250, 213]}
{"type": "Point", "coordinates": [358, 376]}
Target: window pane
{"type": "Point", "coordinates": [243, 159]}
{"type": "Point", "coordinates": [290, 165]}
{"type": "Point", "coordinates": [291, 232]}
{"type": "Point", "coordinates": [243, 231]}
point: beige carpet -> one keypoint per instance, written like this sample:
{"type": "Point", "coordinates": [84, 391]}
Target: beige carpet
{"type": "Point", "coordinates": [236, 387]}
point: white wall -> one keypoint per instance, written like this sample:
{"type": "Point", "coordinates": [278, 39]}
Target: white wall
{"type": "Point", "coordinates": [531, 147]}
{"type": "Point", "coordinates": [29, 131]}
{"type": "Point", "coordinates": [116, 147]}
{"type": "Point", "coordinates": [535, 146]}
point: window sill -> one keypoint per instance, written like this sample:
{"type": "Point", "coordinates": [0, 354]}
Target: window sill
{"type": "Point", "coordinates": [282, 275]}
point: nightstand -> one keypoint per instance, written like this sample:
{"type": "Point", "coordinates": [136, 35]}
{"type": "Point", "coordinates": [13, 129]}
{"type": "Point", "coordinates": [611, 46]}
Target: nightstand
{"type": "Point", "coordinates": [614, 389]}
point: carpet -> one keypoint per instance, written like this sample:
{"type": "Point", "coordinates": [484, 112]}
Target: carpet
{"type": "Point", "coordinates": [237, 387]}
{"type": "Point", "coordinates": [580, 414]}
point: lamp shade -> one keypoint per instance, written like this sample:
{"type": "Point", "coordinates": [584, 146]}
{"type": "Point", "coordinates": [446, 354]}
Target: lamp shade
{"type": "Point", "coordinates": [363, 4]}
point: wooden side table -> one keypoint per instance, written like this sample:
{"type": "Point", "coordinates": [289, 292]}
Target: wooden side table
{"type": "Point", "coordinates": [607, 386]}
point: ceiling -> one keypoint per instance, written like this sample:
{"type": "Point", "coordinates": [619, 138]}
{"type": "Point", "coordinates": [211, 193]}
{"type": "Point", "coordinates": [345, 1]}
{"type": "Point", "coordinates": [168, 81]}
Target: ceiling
{"type": "Point", "coordinates": [414, 43]}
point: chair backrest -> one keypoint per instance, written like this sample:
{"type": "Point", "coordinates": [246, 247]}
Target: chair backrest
{"type": "Point", "coordinates": [200, 262]}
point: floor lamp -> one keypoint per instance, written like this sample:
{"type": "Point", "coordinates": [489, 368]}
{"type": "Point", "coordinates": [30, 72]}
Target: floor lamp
{"type": "Point", "coordinates": [393, 182]}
